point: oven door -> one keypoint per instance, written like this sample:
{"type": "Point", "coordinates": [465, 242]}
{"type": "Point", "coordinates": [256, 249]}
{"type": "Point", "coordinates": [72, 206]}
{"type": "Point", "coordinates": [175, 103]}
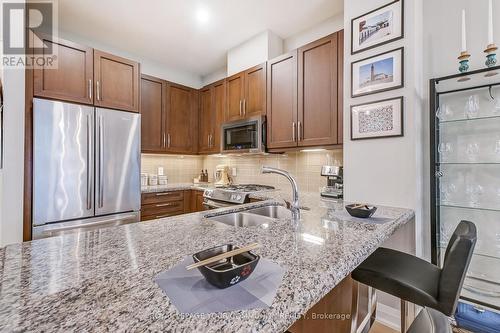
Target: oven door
{"type": "Point", "coordinates": [212, 204]}
{"type": "Point", "coordinates": [244, 136]}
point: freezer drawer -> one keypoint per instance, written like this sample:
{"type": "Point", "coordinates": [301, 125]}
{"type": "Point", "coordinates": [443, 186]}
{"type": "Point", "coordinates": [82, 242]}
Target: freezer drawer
{"type": "Point", "coordinates": [118, 162]}
{"type": "Point", "coordinates": [63, 161]}
{"type": "Point", "coordinates": [78, 226]}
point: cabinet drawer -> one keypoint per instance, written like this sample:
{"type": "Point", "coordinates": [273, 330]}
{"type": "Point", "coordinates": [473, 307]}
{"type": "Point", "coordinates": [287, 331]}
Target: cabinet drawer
{"type": "Point", "coordinates": [161, 197]}
{"type": "Point", "coordinates": [159, 216]}
{"type": "Point", "coordinates": [162, 208]}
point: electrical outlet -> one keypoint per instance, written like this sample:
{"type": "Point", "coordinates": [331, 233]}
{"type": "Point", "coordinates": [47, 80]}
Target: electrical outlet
{"type": "Point", "coordinates": [233, 172]}
{"type": "Point", "coordinates": [160, 171]}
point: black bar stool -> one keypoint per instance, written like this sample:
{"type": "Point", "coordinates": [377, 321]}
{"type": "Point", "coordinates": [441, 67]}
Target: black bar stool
{"type": "Point", "coordinates": [429, 320]}
{"type": "Point", "coordinates": [418, 281]}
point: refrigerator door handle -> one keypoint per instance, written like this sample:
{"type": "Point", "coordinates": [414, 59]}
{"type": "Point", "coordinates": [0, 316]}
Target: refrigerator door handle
{"type": "Point", "coordinates": [101, 162]}
{"type": "Point", "coordinates": [89, 162]}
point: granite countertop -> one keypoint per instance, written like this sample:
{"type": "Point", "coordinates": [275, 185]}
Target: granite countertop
{"type": "Point", "coordinates": [103, 280]}
{"type": "Point", "coordinates": [175, 187]}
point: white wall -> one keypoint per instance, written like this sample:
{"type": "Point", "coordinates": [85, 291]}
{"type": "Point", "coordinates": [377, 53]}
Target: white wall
{"type": "Point", "coordinates": [147, 66]}
{"type": "Point", "coordinates": [254, 51]}
{"type": "Point", "coordinates": [325, 28]}
{"type": "Point", "coordinates": [390, 171]}
{"type": "Point", "coordinates": [215, 76]}
{"type": "Point", "coordinates": [11, 214]}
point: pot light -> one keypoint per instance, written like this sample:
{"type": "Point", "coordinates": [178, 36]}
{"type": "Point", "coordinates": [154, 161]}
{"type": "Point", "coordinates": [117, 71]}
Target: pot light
{"type": "Point", "coordinates": [202, 15]}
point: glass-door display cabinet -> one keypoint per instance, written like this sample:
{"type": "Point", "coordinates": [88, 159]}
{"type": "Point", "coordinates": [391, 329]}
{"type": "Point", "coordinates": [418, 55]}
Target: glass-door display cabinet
{"type": "Point", "coordinates": [465, 174]}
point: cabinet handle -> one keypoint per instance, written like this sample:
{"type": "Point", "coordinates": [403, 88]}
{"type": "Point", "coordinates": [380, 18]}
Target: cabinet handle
{"type": "Point", "coordinates": [162, 216]}
{"type": "Point", "coordinates": [241, 108]}
{"type": "Point", "coordinates": [90, 89]}
{"type": "Point", "coordinates": [98, 93]}
{"type": "Point", "coordinates": [165, 204]}
{"type": "Point", "coordinates": [244, 107]}
{"type": "Point", "coordinates": [168, 140]}
{"type": "Point", "coordinates": [208, 138]}
{"type": "Point", "coordinates": [299, 131]}
{"type": "Point", "coordinates": [293, 131]}
{"type": "Point", "coordinates": [164, 194]}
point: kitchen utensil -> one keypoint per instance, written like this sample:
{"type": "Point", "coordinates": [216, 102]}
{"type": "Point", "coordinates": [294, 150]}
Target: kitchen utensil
{"type": "Point", "coordinates": [360, 210]}
{"type": "Point", "coordinates": [226, 265]}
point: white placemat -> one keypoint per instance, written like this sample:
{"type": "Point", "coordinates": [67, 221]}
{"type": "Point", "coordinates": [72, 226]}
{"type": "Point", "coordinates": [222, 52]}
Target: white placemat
{"type": "Point", "coordinates": [189, 292]}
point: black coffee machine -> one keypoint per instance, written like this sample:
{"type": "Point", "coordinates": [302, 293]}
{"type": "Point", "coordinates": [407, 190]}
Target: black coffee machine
{"type": "Point", "coordinates": [334, 182]}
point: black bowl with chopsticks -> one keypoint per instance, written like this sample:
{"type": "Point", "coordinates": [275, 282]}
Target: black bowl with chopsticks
{"type": "Point", "coordinates": [361, 210]}
{"type": "Point", "coordinates": [229, 271]}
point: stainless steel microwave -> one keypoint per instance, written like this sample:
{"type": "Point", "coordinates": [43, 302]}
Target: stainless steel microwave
{"type": "Point", "coordinates": [244, 136]}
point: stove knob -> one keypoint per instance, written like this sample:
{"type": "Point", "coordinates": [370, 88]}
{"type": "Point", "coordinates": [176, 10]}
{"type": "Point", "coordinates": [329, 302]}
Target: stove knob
{"type": "Point", "coordinates": [238, 197]}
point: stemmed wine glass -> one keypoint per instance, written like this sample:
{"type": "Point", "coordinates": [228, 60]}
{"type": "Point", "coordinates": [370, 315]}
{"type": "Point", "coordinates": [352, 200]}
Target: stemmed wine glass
{"type": "Point", "coordinates": [472, 106]}
{"type": "Point", "coordinates": [444, 112]}
{"type": "Point", "coordinates": [444, 150]}
{"type": "Point", "coordinates": [472, 151]}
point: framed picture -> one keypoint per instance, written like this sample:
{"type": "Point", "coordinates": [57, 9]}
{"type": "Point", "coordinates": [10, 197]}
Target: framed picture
{"type": "Point", "coordinates": [379, 119]}
{"type": "Point", "coordinates": [379, 73]}
{"type": "Point", "coordinates": [380, 26]}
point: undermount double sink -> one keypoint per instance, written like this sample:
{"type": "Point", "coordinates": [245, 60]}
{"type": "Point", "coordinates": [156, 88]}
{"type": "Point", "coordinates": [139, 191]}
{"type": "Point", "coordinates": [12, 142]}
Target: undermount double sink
{"type": "Point", "coordinates": [253, 217]}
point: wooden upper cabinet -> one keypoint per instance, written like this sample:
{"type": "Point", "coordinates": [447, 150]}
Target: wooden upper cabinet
{"type": "Point", "coordinates": [152, 115]}
{"type": "Point", "coordinates": [254, 101]}
{"type": "Point", "coordinates": [207, 120]}
{"type": "Point", "coordinates": [212, 107]}
{"type": "Point", "coordinates": [317, 92]}
{"type": "Point", "coordinates": [116, 82]}
{"type": "Point", "coordinates": [282, 101]}
{"type": "Point", "coordinates": [219, 107]}
{"type": "Point", "coordinates": [340, 86]}
{"type": "Point", "coordinates": [235, 87]}
{"type": "Point", "coordinates": [246, 93]}
{"type": "Point", "coordinates": [72, 79]}
{"type": "Point", "coordinates": [181, 119]}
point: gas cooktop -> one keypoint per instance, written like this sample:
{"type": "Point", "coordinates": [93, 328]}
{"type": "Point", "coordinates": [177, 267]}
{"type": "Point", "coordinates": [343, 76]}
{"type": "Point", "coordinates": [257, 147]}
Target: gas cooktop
{"type": "Point", "coordinates": [234, 194]}
{"type": "Point", "coordinates": [246, 188]}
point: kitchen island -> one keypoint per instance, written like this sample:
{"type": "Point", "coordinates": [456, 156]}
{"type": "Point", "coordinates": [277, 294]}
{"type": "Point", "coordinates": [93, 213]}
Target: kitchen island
{"type": "Point", "coordinates": [104, 280]}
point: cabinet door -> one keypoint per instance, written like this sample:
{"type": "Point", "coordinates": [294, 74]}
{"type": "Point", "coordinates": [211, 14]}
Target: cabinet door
{"type": "Point", "coordinates": [207, 120]}
{"type": "Point", "coordinates": [340, 86]}
{"type": "Point", "coordinates": [152, 105]}
{"type": "Point", "coordinates": [72, 79]}
{"type": "Point", "coordinates": [317, 92]}
{"type": "Point", "coordinates": [181, 122]}
{"type": "Point", "coordinates": [254, 102]}
{"type": "Point", "coordinates": [282, 101]}
{"type": "Point", "coordinates": [117, 82]}
{"type": "Point", "coordinates": [235, 93]}
{"type": "Point", "coordinates": [219, 100]}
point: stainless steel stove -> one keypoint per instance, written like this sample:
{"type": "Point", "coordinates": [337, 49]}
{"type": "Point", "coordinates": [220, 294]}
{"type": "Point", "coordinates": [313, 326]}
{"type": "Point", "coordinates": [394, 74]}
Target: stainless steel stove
{"type": "Point", "coordinates": [231, 195]}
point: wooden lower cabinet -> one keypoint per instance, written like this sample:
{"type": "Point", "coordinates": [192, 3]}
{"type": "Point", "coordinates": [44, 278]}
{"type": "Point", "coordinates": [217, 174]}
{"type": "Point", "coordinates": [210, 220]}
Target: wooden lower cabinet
{"type": "Point", "coordinates": [197, 201]}
{"type": "Point", "coordinates": [170, 203]}
{"type": "Point", "coordinates": [161, 204]}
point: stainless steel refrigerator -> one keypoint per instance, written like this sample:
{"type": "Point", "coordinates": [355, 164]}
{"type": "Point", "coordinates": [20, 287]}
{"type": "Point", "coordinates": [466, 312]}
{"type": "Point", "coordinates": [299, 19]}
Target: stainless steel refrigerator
{"type": "Point", "coordinates": [86, 168]}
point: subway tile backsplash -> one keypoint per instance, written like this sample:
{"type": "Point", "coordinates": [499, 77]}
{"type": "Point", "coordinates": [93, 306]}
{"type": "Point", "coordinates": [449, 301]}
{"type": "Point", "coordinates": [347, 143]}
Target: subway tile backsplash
{"type": "Point", "coordinates": [305, 166]}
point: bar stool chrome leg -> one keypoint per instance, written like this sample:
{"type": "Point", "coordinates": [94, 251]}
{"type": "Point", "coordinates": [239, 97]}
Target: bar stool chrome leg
{"type": "Point", "coordinates": [354, 306]}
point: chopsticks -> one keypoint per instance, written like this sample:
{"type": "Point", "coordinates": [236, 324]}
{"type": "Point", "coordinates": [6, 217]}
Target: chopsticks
{"type": "Point", "coordinates": [223, 256]}
{"type": "Point", "coordinates": [359, 206]}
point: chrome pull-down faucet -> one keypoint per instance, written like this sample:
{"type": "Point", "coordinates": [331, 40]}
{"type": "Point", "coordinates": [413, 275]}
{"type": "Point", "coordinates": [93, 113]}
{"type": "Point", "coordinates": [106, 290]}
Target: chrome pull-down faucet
{"type": "Point", "coordinates": [294, 205]}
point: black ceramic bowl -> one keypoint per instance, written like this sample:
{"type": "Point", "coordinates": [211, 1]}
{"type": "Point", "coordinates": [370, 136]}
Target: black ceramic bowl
{"type": "Point", "coordinates": [362, 212]}
{"type": "Point", "coordinates": [226, 272]}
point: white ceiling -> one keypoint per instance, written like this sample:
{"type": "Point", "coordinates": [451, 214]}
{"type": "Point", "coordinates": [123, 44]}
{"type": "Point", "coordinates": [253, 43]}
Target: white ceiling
{"type": "Point", "coordinates": [168, 31]}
